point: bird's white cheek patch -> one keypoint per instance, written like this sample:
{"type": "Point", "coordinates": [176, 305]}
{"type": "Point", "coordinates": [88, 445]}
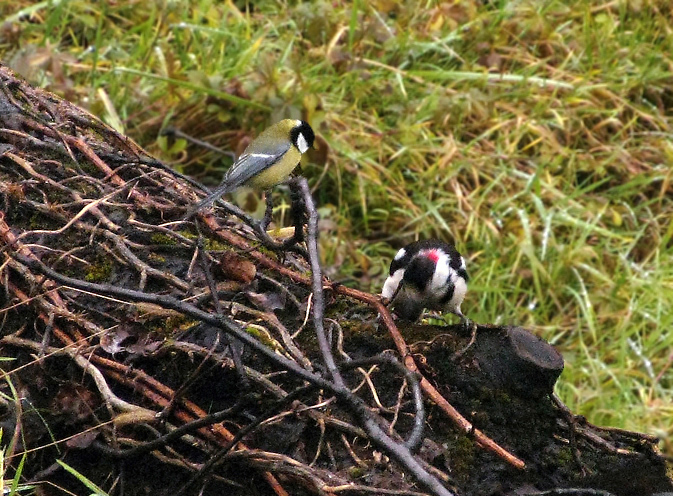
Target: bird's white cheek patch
{"type": "Point", "coordinates": [400, 253]}
{"type": "Point", "coordinates": [301, 143]}
{"type": "Point", "coordinates": [392, 283]}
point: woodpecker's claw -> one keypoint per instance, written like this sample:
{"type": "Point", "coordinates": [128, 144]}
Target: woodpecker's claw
{"type": "Point", "coordinates": [468, 325]}
{"type": "Point", "coordinates": [472, 326]}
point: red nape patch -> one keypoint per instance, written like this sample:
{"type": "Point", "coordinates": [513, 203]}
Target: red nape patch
{"type": "Point", "coordinates": [433, 255]}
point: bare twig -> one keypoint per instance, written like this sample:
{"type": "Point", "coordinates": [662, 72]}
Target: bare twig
{"type": "Point", "coordinates": [86, 366]}
{"type": "Point", "coordinates": [400, 452]}
{"type": "Point", "coordinates": [416, 435]}
{"type": "Point", "coordinates": [316, 275]}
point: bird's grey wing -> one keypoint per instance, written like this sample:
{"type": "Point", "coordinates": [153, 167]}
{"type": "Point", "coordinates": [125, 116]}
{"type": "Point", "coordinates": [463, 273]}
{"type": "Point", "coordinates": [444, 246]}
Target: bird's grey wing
{"type": "Point", "coordinates": [246, 167]}
{"type": "Point", "coordinates": [252, 163]}
{"type": "Point", "coordinates": [216, 194]}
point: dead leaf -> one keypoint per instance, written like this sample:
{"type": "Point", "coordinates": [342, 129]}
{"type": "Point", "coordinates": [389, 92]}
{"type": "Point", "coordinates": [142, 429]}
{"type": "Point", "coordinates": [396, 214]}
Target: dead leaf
{"type": "Point", "coordinates": [112, 341]}
{"type": "Point", "coordinates": [237, 268]}
{"type": "Point", "coordinates": [75, 402]}
{"type": "Point", "coordinates": [267, 301]}
{"type": "Point", "coordinates": [82, 440]}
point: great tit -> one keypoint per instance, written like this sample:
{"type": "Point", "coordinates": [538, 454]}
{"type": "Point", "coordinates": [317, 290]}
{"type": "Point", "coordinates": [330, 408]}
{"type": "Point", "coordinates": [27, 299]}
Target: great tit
{"type": "Point", "coordinates": [268, 160]}
{"type": "Point", "coordinates": [426, 274]}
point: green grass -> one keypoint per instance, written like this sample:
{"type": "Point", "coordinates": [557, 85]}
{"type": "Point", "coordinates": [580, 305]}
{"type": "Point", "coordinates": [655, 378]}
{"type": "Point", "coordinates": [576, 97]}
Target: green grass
{"type": "Point", "coordinates": [551, 172]}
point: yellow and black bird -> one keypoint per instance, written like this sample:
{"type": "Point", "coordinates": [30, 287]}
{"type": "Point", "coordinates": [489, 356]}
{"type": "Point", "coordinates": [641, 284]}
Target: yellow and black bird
{"type": "Point", "coordinates": [268, 160]}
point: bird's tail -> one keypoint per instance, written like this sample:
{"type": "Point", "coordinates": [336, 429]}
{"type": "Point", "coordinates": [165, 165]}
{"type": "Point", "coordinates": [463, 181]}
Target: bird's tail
{"type": "Point", "coordinates": [221, 190]}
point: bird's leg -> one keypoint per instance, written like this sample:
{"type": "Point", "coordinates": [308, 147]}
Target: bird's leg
{"type": "Point", "coordinates": [298, 213]}
{"type": "Point", "coordinates": [268, 213]}
{"type": "Point", "coordinates": [468, 325]}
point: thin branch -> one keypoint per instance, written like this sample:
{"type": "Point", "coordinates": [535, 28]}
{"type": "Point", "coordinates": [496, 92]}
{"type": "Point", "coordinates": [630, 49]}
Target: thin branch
{"type": "Point", "coordinates": [416, 436]}
{"type": "Point", "coordinates": [316, 276]}
{"type": "Point", "coordinates": [378, 437]}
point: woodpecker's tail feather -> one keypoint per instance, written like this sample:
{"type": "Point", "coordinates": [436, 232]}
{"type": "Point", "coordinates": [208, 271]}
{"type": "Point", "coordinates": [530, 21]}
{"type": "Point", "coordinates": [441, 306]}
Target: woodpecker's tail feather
{"type": "Point", "coordinates": [221, 190]}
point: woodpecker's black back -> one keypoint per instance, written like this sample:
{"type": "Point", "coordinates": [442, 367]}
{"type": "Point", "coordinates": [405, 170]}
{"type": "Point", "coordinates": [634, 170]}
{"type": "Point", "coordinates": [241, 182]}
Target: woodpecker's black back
{"type": "Point", "coordinates": [419, 273]}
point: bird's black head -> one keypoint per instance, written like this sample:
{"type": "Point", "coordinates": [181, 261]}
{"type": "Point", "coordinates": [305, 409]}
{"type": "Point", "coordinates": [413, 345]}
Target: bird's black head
{"type": "Point", "coordinates": [302, 136]}
{"type": "Point", "coordinates": [419, 272]}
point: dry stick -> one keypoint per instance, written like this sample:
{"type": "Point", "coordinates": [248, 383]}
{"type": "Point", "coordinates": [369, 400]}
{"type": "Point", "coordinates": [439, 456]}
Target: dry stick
{"type": "Point", "coordinates": [400, 452]}
{"type": "Point", "coordinates": [261, 380]}
{"type": "Point", "coordinates": [274, 322]}
{"type": "Point", "coordinates": [482, 439]}
{"type": "Point", "coordinates": [187, 383]}
{"type": "Point", "coordinates": [28, 167]}
{"type": "Point", "coordinates": [579, 425]}
{"type": "Point", "coordinates": [217, 457]}
{"type": "Point", "coordinates": [122, 375]}
{"type": "Point", "coordinates": [638, 436]}
{"type": "Point", "coordinates": [573, 491]}
{"type": "Point", "coordinates": [192, 416]}
{"type": "Point", "coordinates": [403, 349]}
{"type": "Point", "coordinates": [356, 488]}
{"type": "Point", "coordinates": [316, 275]}
{"type": "Point", "coordinates": [281, 463]}
{"type": "Point", "coordinates": [144, 199]}
{"type": "Point", "coordinates": [86, 366]}
{"type": "Point", "coordinates": [416, 436]}
{"type": "Point", "coordinates": [236, 350]}
{"type": "Point", "coordinates": [159, 442]}
{"type": "Point", "coordinates": [378, 437]}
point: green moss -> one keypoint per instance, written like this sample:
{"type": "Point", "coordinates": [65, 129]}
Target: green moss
{"type": "Point", "coordinates": [40, 221]}
{"type": "Point", "coordinates": [168, 326]}
{"type": "Point", "coordinates": [157, 258]}
{"type": "Point", "coordinates": [163, 239]}
{"type": "Point", "coordinates": [462, 456]}
{"type": "Point", "coordinates": [265, 251]}
{"type": "Point", "coordinates": [214, 245]}
{"type": "Point", "coordinates": [262, 337]}
{"type": "Point", "coordinates": [99, 271]}
{"type": "Point", "coordinates": [209, 243]}
{"type": "Point", "coordinates": [90, 168]}
{"type": "Point", "coordinates": [187, 234]}
{"type": "Point", "coordinates": [356, 472]}
{"type": "Point", "coordinates": [565, 456]}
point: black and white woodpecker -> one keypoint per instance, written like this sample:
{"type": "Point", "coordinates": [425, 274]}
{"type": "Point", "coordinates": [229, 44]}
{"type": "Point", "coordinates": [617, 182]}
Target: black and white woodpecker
{"type": "Point", "coordinates": [426, 274]}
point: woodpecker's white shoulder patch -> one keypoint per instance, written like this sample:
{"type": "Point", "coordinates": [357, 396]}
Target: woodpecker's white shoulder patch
{"type": "Point", "coordinates": [400, 254]}
{"type": "Point", "coordinates": [459, 292]}
{"type": "Point", "coordinates": [302, 144]}
{"type": "Point", "coordinates": [392, 283]}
